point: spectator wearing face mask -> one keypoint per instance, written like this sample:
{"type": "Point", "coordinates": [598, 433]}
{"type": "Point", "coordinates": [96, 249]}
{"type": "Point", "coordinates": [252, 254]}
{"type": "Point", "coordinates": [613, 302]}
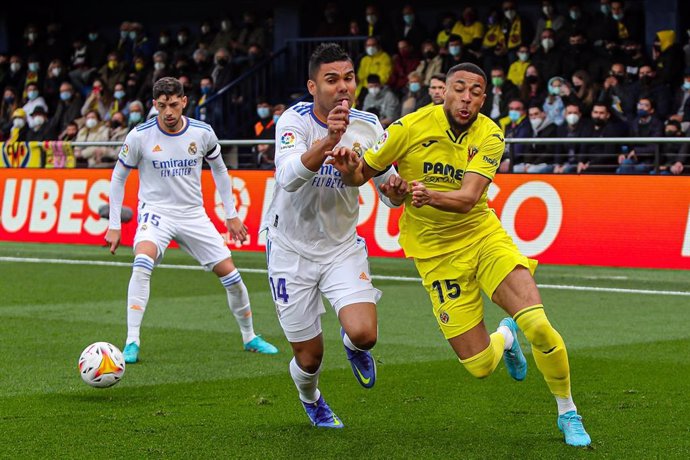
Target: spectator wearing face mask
{"type": "Point", "coordinates": [603, 28]}
{"type": "Point", "coordinates": [575, 126]}
{"type": "Point", "coordinates": [41, 130]}
{"type": "Point", "coordinates": [470, 29]}
{"type": "Point", "coordinates": [629, 24]}
{"type": "Point", "coordinates": [184, 42]}
{"type": "Point", "coordinates": [639, 159]}
{"type": "Point", "coordinates": [410, 28]}
{"type": "Point", "coordinates": [549, 18]}
{"type": "Point", "coordinates": [456, 54]}
{"type": "Point", "coordinates": [34, 74]}
{"type": "Point", "coordinates": [33, 100]}
{"type": "Point", "coordinates": [124, 43]}
{"type": "Point", "coordinates": [93, 131]}
{"type": "Point", "coordinates": [249, 32]}
{"type": "Point", "coordinates": [33, 44]}
{"type": "Point", "coordinates": [68, 109]}
{"type": "Point", "coordinates": [97, 47]}
{"type": "Point", "coordinates": [576, 19]}
{"type": "Point", "coordinates": [548, 57]}
{"type": "Point", "coordinates": [583, 91]}
{"type": "Point", "coordinates": [674, 158]}
{"type": "Point", "coordinates": [516, 71]}
{"type": "Point", "coordinates": [381, 100]}
{"type": "Point", "coordinates": [538, 158]}
{"type": "Point", "coordinates": [16, 75]}
{"type": "Point", "coordinates": [499, 93]}
{"type": "Point", "coordinates": [55, 76]}
{"type": "Point", "coordinates": [514, 28]}
{"type": "Point", "coordinates": [206, 34]}
{"type": "Point", "coordinates": [161, 68]}
{"type": "Point", "coordinates": [554, 105]}
{"type": "Point", "coordinates": [680, 111]}
{"type": "Point", "coordinates": [601, 157]}
{"type": "Point", "coordinates": [448, 21]}
{"type": "Point", "coordinates": [225, 35]}
{"type": "Point", "coordinates": [649, 86]}
{"type": "Point", "coordinates": [376, 25]}
{"type": "Point", "coordinates": [136, 114]}
{"type": "Point", "coordinates": [10, 103]}
{"type": "Point", "coordinates": [223, 71]}
{"type": "Point", "coordinates": [430, 63]}
{"type": "Point", "coordinates": [100, 99]}
{"type": "Point", "coordinates": [532, 88]}
{"type": "Point", "coordinates": [113, 71]}
{"type": "Point", "coordinates": [141, 45]}
{"type": "Point", "coordinates": [515, 126]}
{"type": "Point", "coordinates": [200, 66]}
{"type": "Point", "coordinates": [264, 112]}
{"type": "Point", "coordinates": [668, 57]}
{"type": "Point", "coordinates": [416, 95]}
{"type": "Point", "coordinates": [375, 62]}
{"type": "Point", "coordinates": [19, 127]}
{"type": "Point", "coordinates": [265, 153]}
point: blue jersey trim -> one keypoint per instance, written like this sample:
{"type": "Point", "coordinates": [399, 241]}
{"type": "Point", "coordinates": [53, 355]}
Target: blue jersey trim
{"type": "Point", "coordinates": [146, 125]}
{"type": "Point", "coordinates": [363, 114]}
{"type": "Point", "coordinates": [359, 117]}
{"type": "Point", "coordinates": [199, 124]}
{"type": "Point", "coordinates": [184, 130]}
{"type": "Point", "coordinates": [125, 164]}
{"type": "Point", "coordinates": [319, 122]}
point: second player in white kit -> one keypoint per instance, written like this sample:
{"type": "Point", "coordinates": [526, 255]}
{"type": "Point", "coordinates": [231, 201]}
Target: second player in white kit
{"type": "Point", "coordinates": [312, 245]}
{"type": "Point", "coordinates": [168, 151]}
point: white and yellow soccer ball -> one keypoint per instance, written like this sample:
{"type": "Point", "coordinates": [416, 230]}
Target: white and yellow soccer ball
{"type": "Point", "coordinates": [101, 365]}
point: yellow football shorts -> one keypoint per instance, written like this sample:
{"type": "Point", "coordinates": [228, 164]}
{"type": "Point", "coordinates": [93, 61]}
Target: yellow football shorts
{"type": "Point", "coordinates": [453, 280]}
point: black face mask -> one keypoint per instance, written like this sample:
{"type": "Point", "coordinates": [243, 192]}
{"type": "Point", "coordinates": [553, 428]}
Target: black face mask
{"type": "Point", "coordinates": [223, 61]}
{"type": "Point", "coordinates": [531, 79]}
{"type": "Point", "coordinates": [429, 54]}
{"type": "Point", "coordinates": [599, 121]}
{"type": "Point", "coordinates": [115, 124]}
{"type": "Point", "coordinates": [646, 79]}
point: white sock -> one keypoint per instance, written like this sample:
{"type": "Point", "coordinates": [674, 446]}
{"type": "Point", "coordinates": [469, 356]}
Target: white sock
{"type": "Point", "coordinates": [507, 335]}
{"type": "Point", "coordinates": [238, 301]}
{"type": "Point", "coordinates": [138, 295]}
{"type": "Point", "coordinates": [348, 343]}
{"type": "Point", "coordinates": [306, 383]}
{"type": "Point", "coordinates": [565, 405]}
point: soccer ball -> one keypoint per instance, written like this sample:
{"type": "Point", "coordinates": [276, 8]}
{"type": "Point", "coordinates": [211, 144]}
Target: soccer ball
{"type": "Point", "coordinates": [101, 365]}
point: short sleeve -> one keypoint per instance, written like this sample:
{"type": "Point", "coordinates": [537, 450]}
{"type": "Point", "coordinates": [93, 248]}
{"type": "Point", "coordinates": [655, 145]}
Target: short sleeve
{"type": "Point", "coordinates": [130, 151]}
{"type": "Point", "coordinates": [389, 148]}
{"type": "Point", "coordinates": [486, 160]}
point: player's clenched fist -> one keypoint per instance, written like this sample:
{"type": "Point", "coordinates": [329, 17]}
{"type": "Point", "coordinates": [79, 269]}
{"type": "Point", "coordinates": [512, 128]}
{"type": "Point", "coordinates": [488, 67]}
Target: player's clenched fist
{"type": "Point", "coordinates": [395, 188]}
{"type": "Point", "coordinates": [420, 195]}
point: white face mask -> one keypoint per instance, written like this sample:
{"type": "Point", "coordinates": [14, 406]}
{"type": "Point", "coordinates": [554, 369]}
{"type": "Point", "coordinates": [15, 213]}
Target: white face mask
{"type": "Point", "coordinates": [91, 123]}
{"type": "Point", "coordinates": [15, 67]}
{"type": "Point", "coordinates": [371, 19]}
{"type": "Point", "coordinates": [548, 10]}
{"type": "Point", "coordinates": [572, 118]}
{"type": "Point", "coordinates": [371, 50]}
{"type": "Point", "coordinates": [18, 123]}
{"type": "Point", "coordinates": [536, 122]}
{"type": "Point", "coordinates": [56, 71]}
{"type": "Point", "coordinates": [547, 43]}
{"type": "Point", "coordinates": [510, 14]}
{"type": "Point", "coordinates": [374, 90]}
{"type": "Point", "coordinates": [158, 65]}
{"type": "Point", "coordinates": [39, 120]}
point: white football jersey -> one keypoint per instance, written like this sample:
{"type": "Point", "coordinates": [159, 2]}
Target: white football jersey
{"type": "Point", "coordinates": [170, 164]}
{"type": "Point", "coordinates": [319, 219]}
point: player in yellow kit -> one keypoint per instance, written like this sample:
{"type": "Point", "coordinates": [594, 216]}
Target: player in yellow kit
{"type": "Point", "coordinates": [449, 155]}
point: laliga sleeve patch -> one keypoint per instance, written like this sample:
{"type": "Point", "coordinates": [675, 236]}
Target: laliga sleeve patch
{"type": "Point", "coordinates": [287, 140]}
{"type": "Point", "coordinates": [382, 140]}
{"type": "Point", "coordinates": [124, 150]}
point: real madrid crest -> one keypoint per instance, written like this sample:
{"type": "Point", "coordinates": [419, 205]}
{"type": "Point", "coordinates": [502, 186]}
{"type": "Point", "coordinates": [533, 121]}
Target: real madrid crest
{"type": "Point", "coordinates": [192, 148]}
{"type": "Point", "coordinates": [357, 148]}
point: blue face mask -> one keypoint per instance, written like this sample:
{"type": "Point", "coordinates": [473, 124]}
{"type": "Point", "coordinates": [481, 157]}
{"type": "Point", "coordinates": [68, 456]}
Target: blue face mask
{"type": "Point", "coordinates": [408, 18]}
{"type": "Point", "coordinates": [263, 112]}
{"type": "Point", "coordinates": [65, 95]}
{"type": "Point", "coordinates": [454, 50]}
{"type": "Point", "coordinates": [205, 90]}
{"type": "Point", "coordinates": [119, 94]}
{"type": "Point", "coordinates": [415, 86]}
{"type": "Point", "coordinates": [134, 117]}
{"type": "Point", "coordinates": [514, 115]}
{"type": "Point", "coordinates": [275, 118]}
{"type": "Point", "coordinates": [32, 95]}
{"type": "Point", "coordinates": [686, 85]}
{"type": "Point", "coordinates": [642, 113]}
{"type": "Point", "coordinates": [555, 90]}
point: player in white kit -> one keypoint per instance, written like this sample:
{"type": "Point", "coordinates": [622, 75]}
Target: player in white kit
{"type": "Point", "coordinates": [168, 150]}
{"type": "Point", "coordinates": [312, 244]}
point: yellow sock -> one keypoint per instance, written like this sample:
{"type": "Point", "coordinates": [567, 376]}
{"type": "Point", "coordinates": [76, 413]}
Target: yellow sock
{"type": "Point", "coordinates": [483, 364]}
{"type": "Point", "coordinates": [548, 349]}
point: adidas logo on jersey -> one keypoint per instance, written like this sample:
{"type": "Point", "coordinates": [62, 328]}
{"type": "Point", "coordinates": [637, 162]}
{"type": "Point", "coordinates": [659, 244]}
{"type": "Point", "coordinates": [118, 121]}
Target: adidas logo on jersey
{"type": "Point", "coordinates": [364, 277]}
{"type": "Point", "coordinates": [157, 148]}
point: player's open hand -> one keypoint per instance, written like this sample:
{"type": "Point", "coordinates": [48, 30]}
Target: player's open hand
{"type": "Point", "coordinates": [237, 230]}
{"type": "Point", "coordinates": [395, 188]}
{"type": "Point", "coordinates": [112, 238]}
{"type": "Point", "coordinates": [343, 159]}
{"type": "Point", "coordinates": [421, 196]}
{"type": "Point", "coordinates": [337, 121]}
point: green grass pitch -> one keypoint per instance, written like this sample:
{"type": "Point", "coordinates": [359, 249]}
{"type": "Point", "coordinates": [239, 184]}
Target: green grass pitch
{"type": "Point", "coordinates": [196, 394]}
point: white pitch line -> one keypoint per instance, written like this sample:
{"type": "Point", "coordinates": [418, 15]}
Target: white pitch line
{"type": "Point", "coordinates": [379, 277]}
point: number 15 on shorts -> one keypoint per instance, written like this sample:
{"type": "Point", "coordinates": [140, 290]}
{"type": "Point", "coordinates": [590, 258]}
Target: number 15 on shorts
{"type": "Point", "coordinates": [446, 288]}
{"type": "Point", "coordinates": [279, 289]}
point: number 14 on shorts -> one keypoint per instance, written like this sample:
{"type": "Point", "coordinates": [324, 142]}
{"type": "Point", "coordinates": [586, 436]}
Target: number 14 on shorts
{"type": "Point", "coordinates": [279, 289]}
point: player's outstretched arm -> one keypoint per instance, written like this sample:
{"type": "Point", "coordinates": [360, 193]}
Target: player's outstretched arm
{"type": "Point", "coordinates": [460, 201]}
{"type": "Point", "coordinates": [117, 194]}
{"type": "Point", "coordinates": [393, 189]}
{"type": "Point", "coordinates": [354, 171]}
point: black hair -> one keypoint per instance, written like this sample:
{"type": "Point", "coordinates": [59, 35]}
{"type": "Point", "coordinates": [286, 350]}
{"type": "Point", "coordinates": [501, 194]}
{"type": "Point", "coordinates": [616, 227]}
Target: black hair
{"type": "Point", "coordinates": [168, 86]}
{"type": "Point", "coordinates": [467, 67]}
{"type": "Point", "coordinates": [326, 53]}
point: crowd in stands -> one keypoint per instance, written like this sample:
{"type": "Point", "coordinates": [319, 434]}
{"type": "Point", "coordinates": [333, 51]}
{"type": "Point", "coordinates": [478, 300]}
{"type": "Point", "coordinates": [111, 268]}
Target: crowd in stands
{"type": "Point", "coordinates": [585, 71]}
{"type": "Point", "coordinates": [89, 88]}
{"type": "Point", "coordinates": [581, 72]}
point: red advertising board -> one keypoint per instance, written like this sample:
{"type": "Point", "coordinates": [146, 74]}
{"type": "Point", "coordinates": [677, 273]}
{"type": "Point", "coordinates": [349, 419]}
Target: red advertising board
{"type": "Point", "coordinates": [632, 221]}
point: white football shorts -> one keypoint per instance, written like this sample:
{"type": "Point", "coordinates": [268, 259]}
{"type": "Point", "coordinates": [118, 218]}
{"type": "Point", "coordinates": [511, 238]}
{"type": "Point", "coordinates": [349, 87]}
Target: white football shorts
{"type": "Point", "coordinates": [297, 285]}
{"type": "Point", "coordinates": [195, 233]}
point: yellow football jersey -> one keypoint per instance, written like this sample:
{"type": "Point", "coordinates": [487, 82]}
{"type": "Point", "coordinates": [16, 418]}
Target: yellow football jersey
{"type": "Point", "coordinates": [426, 150]}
